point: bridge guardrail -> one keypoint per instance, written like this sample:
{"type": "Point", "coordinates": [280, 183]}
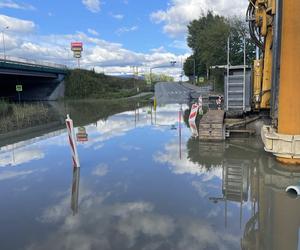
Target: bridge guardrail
{"type": "Point", "coordinates": [32, 62]}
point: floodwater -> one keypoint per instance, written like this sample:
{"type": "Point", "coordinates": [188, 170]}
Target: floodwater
{"type": "Point", "coordinates": [144, 183]}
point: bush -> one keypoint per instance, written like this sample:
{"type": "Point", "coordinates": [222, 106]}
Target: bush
{"type": "Point", "coordinates": [88, 84]}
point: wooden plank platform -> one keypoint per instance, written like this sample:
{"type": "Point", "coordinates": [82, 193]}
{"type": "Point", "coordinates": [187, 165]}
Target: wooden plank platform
{"type": "Point", "coordinates": [211, 127]}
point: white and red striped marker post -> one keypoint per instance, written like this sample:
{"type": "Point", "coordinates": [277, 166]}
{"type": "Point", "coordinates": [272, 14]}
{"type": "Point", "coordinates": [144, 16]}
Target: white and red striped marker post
{"type": "Point", "coordinates": [72, 141]}
{"type": "Point", "coordinates": [194, 129]}
{"type": "Point", "coordinates": [194, 112]}
{"type": "Point", "coordinates": [179, 131]}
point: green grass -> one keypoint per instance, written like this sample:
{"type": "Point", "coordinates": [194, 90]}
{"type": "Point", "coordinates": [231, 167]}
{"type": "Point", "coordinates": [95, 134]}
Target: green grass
{"type": "Point", "coordinates": [85, 84]}
{"type": "Point", "coordinates": [19, 116]}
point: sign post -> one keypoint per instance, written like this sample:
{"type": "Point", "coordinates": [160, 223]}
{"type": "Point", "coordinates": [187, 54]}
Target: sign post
{"type": "Point", "coordinates": [19, 89]}
{"type": "Point", "coordinates": [77, 48]}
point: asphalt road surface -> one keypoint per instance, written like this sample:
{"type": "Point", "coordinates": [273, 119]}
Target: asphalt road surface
{"type": "Point", "coordinates": [172, 92]}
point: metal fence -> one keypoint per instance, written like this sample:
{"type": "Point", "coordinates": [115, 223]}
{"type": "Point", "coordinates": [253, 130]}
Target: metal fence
{"type": "Point", "coordinates": [32, 62]}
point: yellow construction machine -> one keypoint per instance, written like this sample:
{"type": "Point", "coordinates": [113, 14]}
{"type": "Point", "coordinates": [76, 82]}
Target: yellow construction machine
{"type": "Point", "coordinates": [275, 29]}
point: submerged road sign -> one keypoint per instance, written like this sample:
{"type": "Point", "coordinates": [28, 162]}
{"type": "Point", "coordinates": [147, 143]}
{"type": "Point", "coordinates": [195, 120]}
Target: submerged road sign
{"type": "Point", "coordinates": [19, 88]}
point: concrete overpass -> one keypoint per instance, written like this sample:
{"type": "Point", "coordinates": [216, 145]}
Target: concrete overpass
{"type": "Point", "coordinates": [40, 80]}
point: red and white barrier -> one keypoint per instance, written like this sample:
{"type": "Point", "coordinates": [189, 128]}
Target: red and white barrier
{"type": "Point", "coordinates": [194, 129]}
{"type": "Point", "coordinates": [193, 114]}
{"type": "Point", "coordinates": [72, 141]}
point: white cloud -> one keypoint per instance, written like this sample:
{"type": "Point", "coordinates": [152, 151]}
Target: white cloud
{"type": "Point", "coordinates": [93, 32]}
{"type": "Point", "coordinates": [99, 54]}
{"type": "Point", "coordinates": [16, 25]}
{"type": "Point", "coordinates": [20, 156]}
{"type": "Point", "coordinates": [13, 5]}
{"type": "Point", "coordinates": [180, 44]}
{"type": "Point", "coordinates": [181, 12]}
{"type": "Point", "coordinates": [122, 30]}
{"type": "Point", "coordinates": [117, 16]}
{"type": "Point", "coordinates": [92, 5]}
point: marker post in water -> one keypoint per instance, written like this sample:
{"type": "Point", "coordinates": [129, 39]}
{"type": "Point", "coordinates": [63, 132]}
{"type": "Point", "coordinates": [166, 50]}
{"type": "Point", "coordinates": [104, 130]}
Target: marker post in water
{"type": "Point", "coordinates": [72, 141]}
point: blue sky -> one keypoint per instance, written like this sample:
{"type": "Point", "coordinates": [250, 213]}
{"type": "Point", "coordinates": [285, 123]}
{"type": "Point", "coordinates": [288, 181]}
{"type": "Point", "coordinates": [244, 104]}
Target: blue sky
{"type": "Point", "coordinates": [116, 34]}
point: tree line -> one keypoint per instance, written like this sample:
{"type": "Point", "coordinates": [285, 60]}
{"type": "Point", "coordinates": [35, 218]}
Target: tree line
{"type": "Point", "coordinates": [207, 38]}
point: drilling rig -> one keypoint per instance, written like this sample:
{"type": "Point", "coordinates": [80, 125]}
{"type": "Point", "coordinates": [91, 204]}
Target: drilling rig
{"type": "Point", "coordinates": [275, 29]}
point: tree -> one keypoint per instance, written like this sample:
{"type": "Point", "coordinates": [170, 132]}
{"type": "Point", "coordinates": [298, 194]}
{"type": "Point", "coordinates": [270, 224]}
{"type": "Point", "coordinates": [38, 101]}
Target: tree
{"type": "Point", "coordinates": [207, 38]}
{"type": "Point", "coordinates": [239, 31]}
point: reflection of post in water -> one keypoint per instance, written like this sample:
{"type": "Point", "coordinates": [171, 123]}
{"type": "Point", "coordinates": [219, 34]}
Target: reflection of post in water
{"type": "Point", "coordinates": [179, 130]}
{"type": "Point", "coordinates": [138, 111]}
{"type": "Point", "coordinates": [151, 115]}
{"type": "Point", "coordinates": [136, 114]}
{"type": "Point", "coordinates": [275, 220]}
{"type": "Point", "coordinates": [75, 190]}
{"type": "Point", "coordinates": [135, 118]}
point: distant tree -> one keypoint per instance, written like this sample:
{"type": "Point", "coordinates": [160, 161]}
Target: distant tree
{"type": "Point", "coordinates": [158, 78]}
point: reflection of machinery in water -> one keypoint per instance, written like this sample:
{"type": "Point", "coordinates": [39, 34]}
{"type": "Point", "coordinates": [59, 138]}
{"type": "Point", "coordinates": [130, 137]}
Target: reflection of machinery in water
{"type": "Point", "coordinates": [235, 183]}
{"type": "Point", "coordinates": [249, 175]}
{"type": "Point", "coordinates": [235, 168]}
{"type": "Point", "coordinates": [75, 190]}
{"type": "Point", "coordinates": [275, 220]}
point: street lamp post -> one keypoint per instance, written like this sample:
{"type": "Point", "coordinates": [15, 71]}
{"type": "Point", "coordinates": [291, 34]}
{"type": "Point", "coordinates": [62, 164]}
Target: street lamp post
{"type": "Point", "coordinates": [194, 64]}
{"type": "Point", "coordinates": [166, 66]}
{"type": "Point", "coordinates": [3, 41]}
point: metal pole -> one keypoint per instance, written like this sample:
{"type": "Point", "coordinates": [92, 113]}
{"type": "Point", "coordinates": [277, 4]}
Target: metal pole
{"type": "Point", "coordinates": [244, 83]}
{"type": "Point", "coordinates": [228, 62]}
{"type": "Point", "coordinates": [194, 72]}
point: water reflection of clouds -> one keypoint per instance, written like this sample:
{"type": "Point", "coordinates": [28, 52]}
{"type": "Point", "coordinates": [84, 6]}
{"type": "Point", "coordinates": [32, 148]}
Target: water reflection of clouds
{"type": "Point", "coordinates": [120, 124]}
{"type": "Point", "coordinates": [170, 155]}
{"type": "Point", "coordinates": [100, 170]}
{"type": "Point", "coordinates": [20, 156]}
{"type": "Point", "coordinates": [6, 175]}
{"type": "Point", "coordinates": [134, 224]}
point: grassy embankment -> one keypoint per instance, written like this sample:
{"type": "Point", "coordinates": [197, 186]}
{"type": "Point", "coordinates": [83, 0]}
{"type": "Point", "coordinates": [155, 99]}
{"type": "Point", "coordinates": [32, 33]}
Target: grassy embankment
{"type": "Point", "coordinates": [80, 84]}
{"type": "Point", "coordinates": [19, 116]}
{"type": "Point", "coordinates": [85, 84]}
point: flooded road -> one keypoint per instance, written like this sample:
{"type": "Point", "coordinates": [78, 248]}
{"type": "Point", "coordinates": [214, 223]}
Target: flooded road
{"type": "Point", "coordinates": [144, 183]}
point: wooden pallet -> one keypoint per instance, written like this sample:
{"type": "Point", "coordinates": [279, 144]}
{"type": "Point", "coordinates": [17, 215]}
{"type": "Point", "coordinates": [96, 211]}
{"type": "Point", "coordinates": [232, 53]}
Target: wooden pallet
{"type": "Point", "coordinates": [211, 127]}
